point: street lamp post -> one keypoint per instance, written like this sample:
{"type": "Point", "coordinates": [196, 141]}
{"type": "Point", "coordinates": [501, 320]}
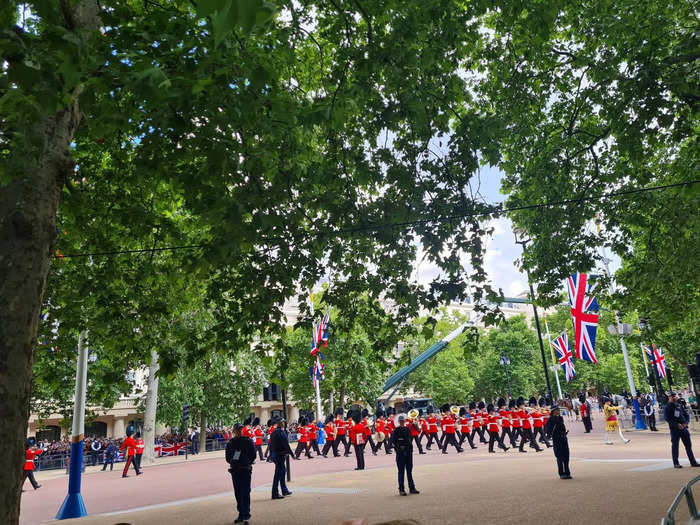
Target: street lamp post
{"type": "Point", "coordinates": [524, 242]}
{"type": "Point", "coordinates": [505, 361]}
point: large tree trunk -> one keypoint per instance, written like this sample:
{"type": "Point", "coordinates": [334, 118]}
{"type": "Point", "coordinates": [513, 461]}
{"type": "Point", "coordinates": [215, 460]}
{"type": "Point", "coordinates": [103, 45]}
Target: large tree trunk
{"type": "Point", "coordinates": [28, 207]}
{"type": "Point", "coordinates": [149, 418]}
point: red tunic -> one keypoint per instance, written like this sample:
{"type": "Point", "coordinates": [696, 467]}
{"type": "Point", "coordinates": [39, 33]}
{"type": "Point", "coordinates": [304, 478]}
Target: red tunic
{"type": "Point", "coordinates": [432, 424]}
{"type": "Point", "coordinates": [302, 434]}
{"type": "Point", "coordinates": [311, 432]}
{"type": "Point", "coordinates": [258, 435]}
{"type": "Point", "coordinates": [340, 426]}
{"type": "Point", "coordinates": [130, 446]}
{"type": "Point", "coordinates": [464, 424]}
{"type": "Point", "coordinates": [476, 421]}
{"type": "Point", "coordinates": [423, 425]}
{"type": "Point", "coordinates": [505, 418]}
{"type": "Point", "coordinates": [140, 445]}
{"type": "Point", "coordinates": [357, 434]}
{"type": "Point", "coordinates": [525, 419]}
{"type": "Point", "coordinates": [583, 409]}
{"type": "Point", "coordinates": [448, 424]}
{"type": "Point", "coordinates": [413, 427]}
{"type": "Point", "coordinates": [329, 432]}
{"type": "Point", "coordinates": [29, 456]}
{"type": "Point", "coordinates": [493, 422]}
{"type": "Point", "coordinates": [537, 419]}
{"type": "Point", "coordinates": [515, 418]}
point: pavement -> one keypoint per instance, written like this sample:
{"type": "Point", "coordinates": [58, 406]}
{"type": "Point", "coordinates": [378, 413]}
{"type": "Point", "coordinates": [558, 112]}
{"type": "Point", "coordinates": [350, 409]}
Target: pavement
{"type": "Point", "coordinates": [620, 484]}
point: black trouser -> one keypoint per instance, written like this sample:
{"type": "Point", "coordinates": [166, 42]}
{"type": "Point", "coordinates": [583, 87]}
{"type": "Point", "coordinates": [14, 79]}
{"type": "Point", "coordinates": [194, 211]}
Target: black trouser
{"type": "Point", "coordinates": [587, 424]}
{"type": "Point", "coordinates": [267, 449]}
{"type": "Point", "coordinates": [449, 439]}
{"type": "Point", "coordinates": [651, 421]}
{"type": "Point", "coordinates": [417, 441]}
{"type": "Point", "coordinates": [506, 431]}
{"type": "Point", "coordinates": [543, 439]}
{"type": "Point", "coordinates": [137, 462]}
{"type": "Point", "coordinates": [314, 445]}
{"type": "Point", "coordinates": [528, 436]}
{"type": "Point", "coordinates": [93, 457]}
{"type": "Point", "coordinates": [404, 462]}
{"type": "Point", "coordinates": [493, 438]}
{"type": "Point", "coordinates": [30, 474]}
{"type": "Point", "coordinates": [241, 489]}
{"type": "Point", "coordinates": [515, 433]}
{"type": "Point", "coordinates": [336, 444]}
{"type": "Point", "coordinates": [260, 452]}
{"type": "Point", "coordinates": [387, 444]}
{"type": "Point", "coordinates": [372, 445]}
{"type": "Point", "coordinates": [479, 431]}
{"type": "Point", "coordinates": [440, 440]}
{"type": "Point", "coordinates": [279, 480]}
{"type": "Point", "coordinates": [682, 435]}
{"type": "Point", "coordinates": [302, 447]}
{"type": "Point", "coordinates": [467, 436]}
{"type": "Point", "coordinates": [360, 456]}
{"type": "Point", "coordinates": [330, 444]}
{"type": "Point", "coordinates": [561, 451]}
{"type": "Point", "coordinates": [432, 436]}
{"type": "Point", "coordinates": [129, 461]}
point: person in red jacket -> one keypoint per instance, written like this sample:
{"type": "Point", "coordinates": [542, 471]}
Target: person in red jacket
{"type": "Point", "coordinates": [270, 430]}
{"type": "Point", "coordinates": [357, 438]}
{"type": "Point", "coordinates": [340, 433]}
{"type": "Point", "coordinates": [130, 445]}
{"type": "Point", "coordinates": [448, 430]}
{"type": "Point", "coordinates": [432, 422]}
{"type": "Point", "coordinates": [464, 423]}
{"type": "Point", "coordinates": [505, 414]}
{"type": "Point", "coordinates": [539, 420]}
{"type": "Point", "coordinates": [415, 430]}
{"type": "Point", "coordinates": [389, 426]}
{"type": "Point", "coordinates": [312, 437]}
{"type": "Point", "coordinates": [329, 430]}
{"type": "Point", "coordinates": [140, 446]}
{"type": "Point", "coordinates": [257, 437]}
{"type": "Point", "coordinates": [525, 426]}
{"type": "Point", "coordinates": [303, 445]}
{"type": "Point", "coordinates": [31, 452]}
{"type": "Point", "coordinates": [492, 426]}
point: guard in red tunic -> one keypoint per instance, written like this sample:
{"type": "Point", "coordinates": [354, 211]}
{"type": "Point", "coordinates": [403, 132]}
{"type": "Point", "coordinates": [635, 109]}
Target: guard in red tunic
{"type": "Point", "coordinates": [432, 422]}
{"type": "Point", "coordinates": [464, 428]}
{"type": "Point", "coordinates": [368, 432]}
{"type": "Point", "coordinates": [269, 431]}
{"type": "Point", "coordinates": [30, 453]}
{"type": "Point", "coordinates": [257, 437]}
{"type": "Point", "coordinates": [448, 431]}
{"type": "Point", "coordinates": [390, 426]}
{"type": "Point", "coordinates": [312, 437]}
{"type": "Point", "coordinates": [423, 425]}
{"type": "Point", "coordinates": [341, 433]}
{"type": "Point", "coordinates": [357, 438]}
{"type": "Point", "coordinates": [515, 423]}
{"type": "Point", "coordinates": [538, 422]}
{"type": "Point", "coordinates": [140, 446]}
{"type": "Point", "coordinates": [493, 425]}
{"type": "Point", "coordinates": [415, 430]}
{"type": "Point", "coordinates": [505, 414]}
{"type": "Point", "coordinates": [302, 445]}
{"type": "Point", "coordinates": [130, 445]}
{"type": "Point", "coordinates": [526, 426]}
{"type": "Point", "coordinates": [330, 431]}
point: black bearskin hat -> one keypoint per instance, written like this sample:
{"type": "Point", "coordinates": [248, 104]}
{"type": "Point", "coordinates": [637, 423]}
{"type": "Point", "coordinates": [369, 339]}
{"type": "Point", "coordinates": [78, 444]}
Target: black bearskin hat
{"type": "Point", "coordinates": [541, 402]}
{"type": "Point", "coordinates": [249, 419]}
{"type": "Point", "coordinates": [489, 407]}
{"type": "Point", "coordinates": [356, 416]}
{"type": "Point", "coordinates": [548, 400]}
{"type": "Point", "coordinates": [445, 407]}
{"type": "Point", "coordinates": [364, 412]}
{"type": "Point", "coordinates": [481, 405]}
{"type": "Point", "coordinates": [329, 419]}
{"type": "Point", "coordinates": [129, 430]}
{"type": "Point", "coordinates": [511, 403]}
{"type": "Point", "coordinates": [521, 401]}
{"type": "Point", "coordinates": [472, 405]}
{"type": "Point", "coordinates": [606, 399]}
{"type": "Point", "coordinates": [256, 421]}
{"type": "Point", "coordinates": [301, 421]}
{"type": "Point", "coordinates": [582, 397]}
{"type": "Point", "coordinates": [501, 402]}
{"type": "Point", "coordinates": [532, 401]}
{"type": "Point", "coordinates": [462, 411]}
{"type": "Point", "coordinates": [339, 411]}
{"type": "Point", "coordinates": [269, 423]}
{"type": "Point", "coordinates": [420, 412]}
{"type": "Point", "coordinates": [31, 441]}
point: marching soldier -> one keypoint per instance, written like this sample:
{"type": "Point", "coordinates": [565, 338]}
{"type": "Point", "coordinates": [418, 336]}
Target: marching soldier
{"type": "Point", "coordinates": [330, 437]}
{"type": "Point", "coordinates": [515, 422]}
{"type": "Point", "coordinates": [312, 437]}
{"type": "Point", "coordinates": [130, 445]}
{"type": "Point", "coordinates": [538, 422]}
{"type": "Point", "coordinates": [140, 446]}
{"type": "Point", "coordinates": [448, 431]}
{"type": "Point", "coordinates": [389, 430]}
{"type": "Point", "coordinates": [432, 422]}
{"type": "Point", "coordinates": [30, 453]}
{"type": "Point", "coordinates": [464, 430]}
{"type": "Point", "coordinates": [302, 445]}
{"type": "Point", "coordinates": [526, 426]}
{"type": "Point", "coordinates": [505, 414]}
{"type": "Point", "coordinates": [557, 431]}
{"type": "Point", "coordinates": [492, 427]}
{"type": "Point", "coordinates": [415, 430]}
{"type": "Point", "coordinates": [341, 433]}
{"type": "Point", "coordinates": [368, 432]}
{"type": "Point", "coordinates": [270, 430]}
{"type": "Point", "coordinates": [257, 437]}
{"type": "Point", "coordinates": [357, 438]}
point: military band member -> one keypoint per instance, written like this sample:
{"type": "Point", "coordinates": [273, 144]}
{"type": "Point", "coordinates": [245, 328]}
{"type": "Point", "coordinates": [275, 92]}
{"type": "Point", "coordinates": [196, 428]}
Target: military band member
{"type": "Point", "coordinates": [448, 431]}
{"type": "Point", "coordinates": [302, 445]}
{"type": "Point", "coordinates": [611, 423]}
{"type": "Point", "coordinates": [130, 445]}
{"type": "Point", "coordinates": [415, 430]}
{"type": "Point", "coordinates": [493, 429]}
{"type": "Point", "coordinates": [270, 430]}
{"type": "Point", "coordinates": [432, 422]}
{"type": "Point", "coordinates": [423, 426]}
{"type": "Point", "coordinates": [505, 414]}
{"type": "Point", "coordinates": [30, 453]}
{"type": "Point", "coordinates": [357, 438]}
{"type": "Point", "coordinates": [140, 446]}
{"type": "Point", "coordinates": [464, 428]}
{"type": "Point", "coordinates": [329, 428]}
{"type": "Point", "coordinates": [515, 422]}
{"type": "Point", "coordinates": [391, 414]}
{"type": "Point", "coordinates": [312, 437]}
{"type": "Point", "coordinates": [341, 433]}
{"type": "Point", "coordinates": [526, 426]}
{"type": "Point", "coordinates": [257, 433]}
{"type": "Point", "coordinates": [538, 422]}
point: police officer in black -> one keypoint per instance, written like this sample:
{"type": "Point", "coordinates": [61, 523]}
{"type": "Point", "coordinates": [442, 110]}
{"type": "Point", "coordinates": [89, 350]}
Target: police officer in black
{"type": "Point", "coordinates": [240, 455]}
{"type": "Point", "coordinates": [677, 417]}
{"type": "Point", "coordinates": [556, 430]}
{"type": "Point", "coordinates": [401, 441]}
{"type": "Point", "coordinates": [279, 451]}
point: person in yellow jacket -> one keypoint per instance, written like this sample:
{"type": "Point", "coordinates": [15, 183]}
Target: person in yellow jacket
{"type": "Point", "coordinates": [611, 421]}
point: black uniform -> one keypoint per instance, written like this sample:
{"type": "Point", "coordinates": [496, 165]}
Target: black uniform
{"type": "Point", "coordinates": [677, 417]}
{"type": "Point", "coordinates": [401, 440]}
{"type": "Point", "coordinates": [649, 414]}
{"type": "Point", "coordinates": [240, 455]}
{"type": "Point", "coordinates": [279, 450]}
{"type": "Point", "coordinates": [556, 429]}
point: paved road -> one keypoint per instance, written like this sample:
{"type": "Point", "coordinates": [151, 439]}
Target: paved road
{"type": "Point", "coordinates": [633, 482]}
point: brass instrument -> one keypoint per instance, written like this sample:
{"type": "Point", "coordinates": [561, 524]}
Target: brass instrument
{"type": "Point", "coordinates": [455, 410]}
{"type": "Point", "coordinates": [413, 413]}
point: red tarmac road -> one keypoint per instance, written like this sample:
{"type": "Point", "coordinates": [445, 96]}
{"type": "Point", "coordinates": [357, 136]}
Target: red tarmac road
{"type": "Point", "coordinates": [106, 492]}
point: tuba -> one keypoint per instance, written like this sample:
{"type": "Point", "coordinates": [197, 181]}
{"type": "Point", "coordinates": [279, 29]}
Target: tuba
{"type": "Point", "coordinates": [413, 413]}
{"type": "Point", "coordinates": [455, 410]}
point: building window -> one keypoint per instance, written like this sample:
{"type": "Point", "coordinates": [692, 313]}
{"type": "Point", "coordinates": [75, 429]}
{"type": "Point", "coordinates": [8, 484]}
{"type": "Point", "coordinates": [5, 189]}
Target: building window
{"type": "Point", "coordinates": [271, 392]}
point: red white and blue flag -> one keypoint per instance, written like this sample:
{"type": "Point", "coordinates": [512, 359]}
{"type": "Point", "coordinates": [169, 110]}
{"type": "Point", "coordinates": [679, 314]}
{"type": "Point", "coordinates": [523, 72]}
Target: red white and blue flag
{"type": "Point", "coordinates": [657, 358]}
{"type": "Point", "coordinates": [321, 333]}
{"type": "Point", "coordinates": [317, 372]}
{"type": "Point", "coordinates": [584, 313]}
{"type": "Point", "coordinates": [564, 356]}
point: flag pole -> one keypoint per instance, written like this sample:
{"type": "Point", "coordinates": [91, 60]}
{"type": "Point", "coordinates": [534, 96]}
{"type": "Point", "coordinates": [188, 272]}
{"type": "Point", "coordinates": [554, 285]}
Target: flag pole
{"type": "Point", "coordinates": [73, 506]}
{"type": "Point", "coordinates": [549, 343]}
{"type": "Point", "coordinates": [317, 385]}
{"type": "Point", "coordinates": [646, 368]}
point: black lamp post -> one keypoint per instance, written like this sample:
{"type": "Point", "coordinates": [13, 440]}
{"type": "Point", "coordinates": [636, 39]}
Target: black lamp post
{"type": "Point", "coordinates": [524, 242]}
{"type": "Point", "coordinates": [505, 361]}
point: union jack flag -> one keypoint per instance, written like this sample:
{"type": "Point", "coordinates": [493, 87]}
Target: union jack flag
{"type": "Point", "coordinates": [317, 372]}
{"type": "Point", "coordinates": [564, 356]}
{"type": "Point", "coordinates": [321, 333]}
{"type": "Point", "coordinates": [584, 314]}
{"type": "Point", "coordinates": [657, 358]}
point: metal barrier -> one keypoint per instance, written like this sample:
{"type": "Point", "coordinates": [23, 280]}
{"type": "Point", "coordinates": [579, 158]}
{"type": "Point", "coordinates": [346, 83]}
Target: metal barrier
{"type": "Point", "coordinates": [670, 519]}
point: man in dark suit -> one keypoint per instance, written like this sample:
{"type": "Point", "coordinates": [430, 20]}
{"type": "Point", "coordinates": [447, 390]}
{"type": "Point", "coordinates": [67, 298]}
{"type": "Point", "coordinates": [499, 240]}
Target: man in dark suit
{"type": "Point", "coordinates": [677, 417]}
{"type": "Point", "coordinates": [279, 451]}
{"type": "Point", "coordinates": [240, 455]}
{"type": "Point", "coordinates": [401, 441]}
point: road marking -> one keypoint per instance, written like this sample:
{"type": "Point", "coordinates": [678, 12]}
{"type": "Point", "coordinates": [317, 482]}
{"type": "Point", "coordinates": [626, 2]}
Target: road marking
{"type": "Point", "coordinates": [654, 463]}
{"type": "Point", "coordinates": [168, 504]}
{"type": "Point", "coordinates": [314, 490]}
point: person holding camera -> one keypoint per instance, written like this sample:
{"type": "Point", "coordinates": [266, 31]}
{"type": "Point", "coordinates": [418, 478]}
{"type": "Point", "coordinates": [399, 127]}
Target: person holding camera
{"type": "Point", "coordinates": [240, 455]}
{"type": "Point", "coordinates": [401, 440]}
{"type": "Point", "coordinates": [677, 417]}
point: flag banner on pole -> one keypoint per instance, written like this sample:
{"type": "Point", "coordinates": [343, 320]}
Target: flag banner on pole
{"type": "Point", "coordinates": [564, 356]}
{"type": "Point", "coordinates": [321, 334]}
{"type": "Point", "coordinates": [657, 358]}
{"type": "Point", "coordinates": [584, 314]}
